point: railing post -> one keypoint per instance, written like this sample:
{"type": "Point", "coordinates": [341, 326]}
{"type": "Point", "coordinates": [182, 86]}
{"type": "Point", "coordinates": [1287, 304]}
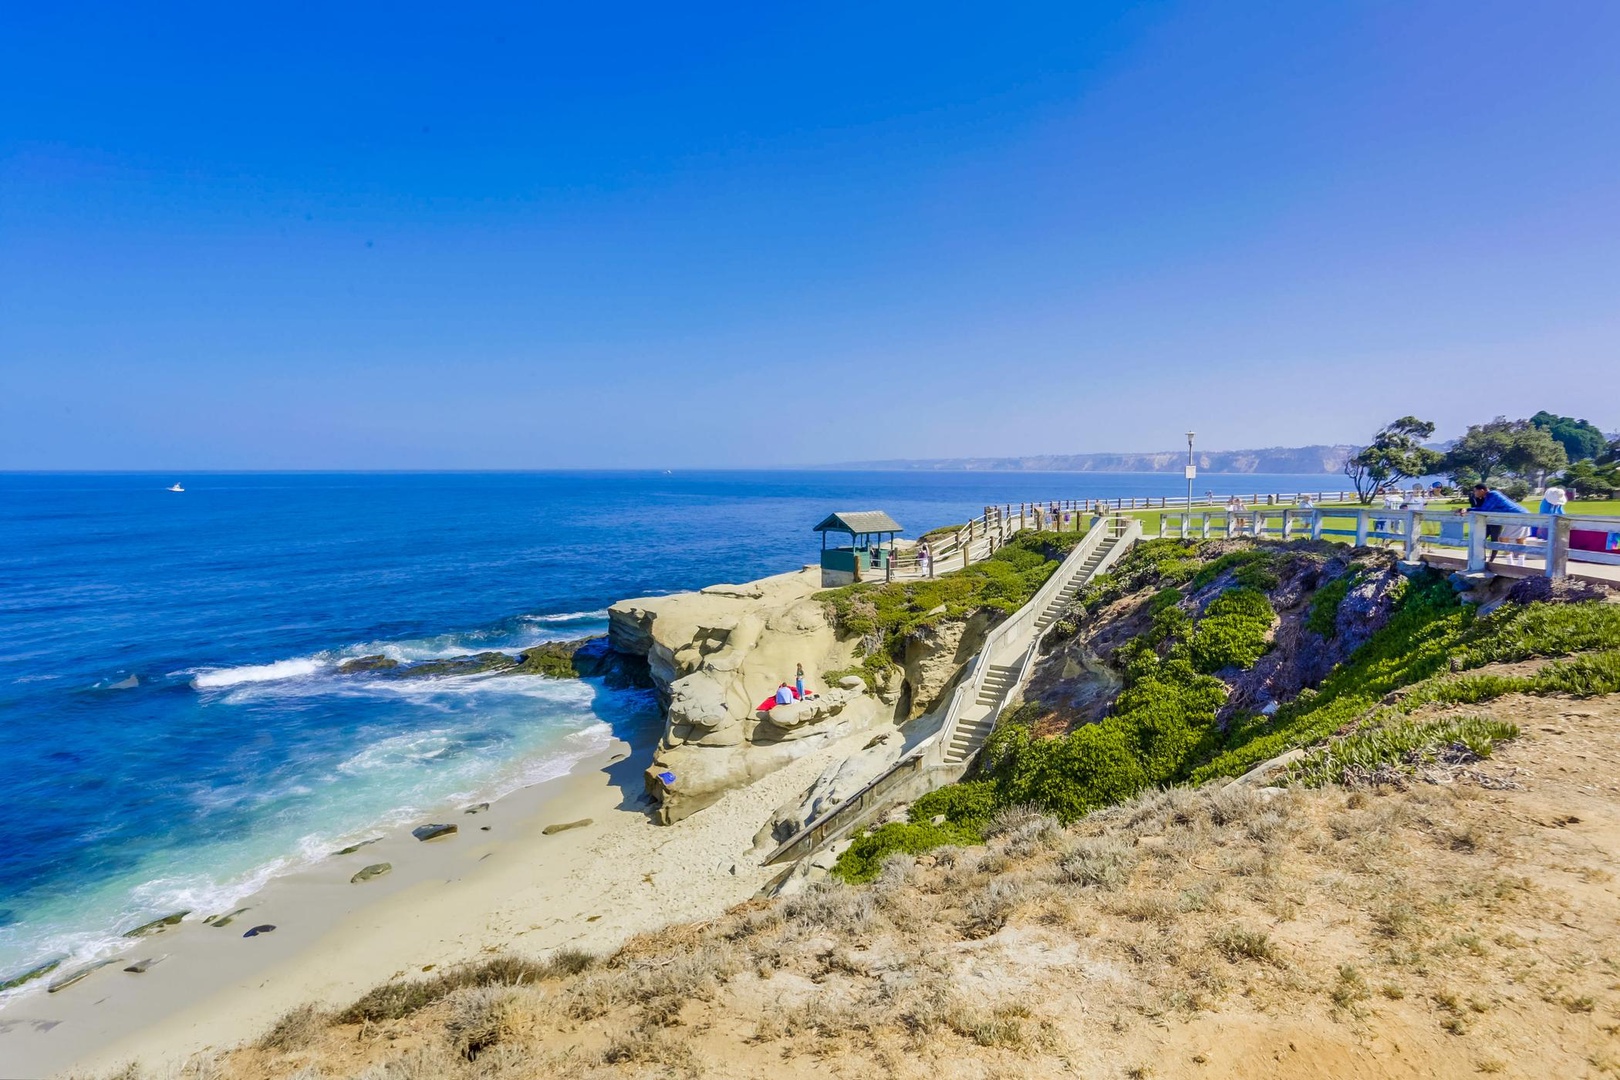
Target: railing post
{"type": "Point", "coordinates": [1414, 527]}
{"type": "Point", "coordinates": [1361, 527]}
{"type": "Point", "coordinates": [1476, 541]}
{"type": "Point", "coordinates": [1316, 524]}
{"type": "Point", "coordinates": [1287, 524]}
{"type": "Point", "coordinates": [1558, 546]}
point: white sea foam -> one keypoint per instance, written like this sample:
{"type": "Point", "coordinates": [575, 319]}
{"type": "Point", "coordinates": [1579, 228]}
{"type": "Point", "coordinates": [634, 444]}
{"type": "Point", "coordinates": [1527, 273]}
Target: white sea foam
{"type": "Point", "coordinates": [215, 678]}
{"type": "Point", "coordinates": [568, 616]}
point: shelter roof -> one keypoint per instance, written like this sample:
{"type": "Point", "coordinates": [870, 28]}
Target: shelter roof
{"type": "Point", "coordinates": [859, 521]}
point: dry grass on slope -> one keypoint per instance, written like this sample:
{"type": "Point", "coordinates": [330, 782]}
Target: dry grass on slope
{"type": "Point", "coordinates": [1435, 930]}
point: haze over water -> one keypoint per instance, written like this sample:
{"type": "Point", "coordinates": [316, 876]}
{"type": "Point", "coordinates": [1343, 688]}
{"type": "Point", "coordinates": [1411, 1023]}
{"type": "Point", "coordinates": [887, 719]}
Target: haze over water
{"type": "Point", "coordinates": [176, 728]}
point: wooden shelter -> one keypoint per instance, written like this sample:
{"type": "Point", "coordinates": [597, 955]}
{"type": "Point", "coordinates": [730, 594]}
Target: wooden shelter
{"type": "Point", "coordinates": [869, 553]}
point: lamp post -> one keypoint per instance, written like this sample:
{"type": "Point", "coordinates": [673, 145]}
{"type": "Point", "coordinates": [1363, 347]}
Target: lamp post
{"type": "Point", "coordinates": [1192, 470]}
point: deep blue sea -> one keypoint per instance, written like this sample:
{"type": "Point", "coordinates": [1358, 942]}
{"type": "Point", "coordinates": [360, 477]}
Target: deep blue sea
{"type": "Point", "coordinates": [176, 732]}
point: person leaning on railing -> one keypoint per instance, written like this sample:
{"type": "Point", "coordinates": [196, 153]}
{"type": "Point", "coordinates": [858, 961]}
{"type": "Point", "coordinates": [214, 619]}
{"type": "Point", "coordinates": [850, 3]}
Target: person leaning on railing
{"type": "Point", "coordinates": [1486, 500]}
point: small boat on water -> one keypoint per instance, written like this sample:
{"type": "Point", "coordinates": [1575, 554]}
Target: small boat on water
{"type": "Point", "coordinates": [176, 487]}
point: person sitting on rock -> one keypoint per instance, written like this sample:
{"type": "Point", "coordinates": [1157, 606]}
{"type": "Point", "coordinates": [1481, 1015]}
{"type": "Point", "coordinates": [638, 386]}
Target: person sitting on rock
{"type": "Point", "coordinates": [784, 694]}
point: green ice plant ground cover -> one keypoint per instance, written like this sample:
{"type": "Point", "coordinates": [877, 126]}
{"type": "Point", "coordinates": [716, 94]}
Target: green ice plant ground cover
{"type": "Point", "coordinates": [884, 614]}
{"type": "Point", "coordinates": [1162, 728]}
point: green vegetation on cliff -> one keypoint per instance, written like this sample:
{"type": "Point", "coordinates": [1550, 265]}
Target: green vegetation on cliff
{"type": "Point", "coordinates": [1164, 729]}
{"type": "Point", "coordinates": [882, 615]}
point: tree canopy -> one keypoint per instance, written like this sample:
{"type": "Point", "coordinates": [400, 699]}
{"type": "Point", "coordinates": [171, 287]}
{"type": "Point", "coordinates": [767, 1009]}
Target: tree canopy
{"type": "Point", "coordinates": [1580, 439]}
{"type": "Point", "coordinates": [1503, 447]}
{"type": "Point", "coordinates": [1396, 453]}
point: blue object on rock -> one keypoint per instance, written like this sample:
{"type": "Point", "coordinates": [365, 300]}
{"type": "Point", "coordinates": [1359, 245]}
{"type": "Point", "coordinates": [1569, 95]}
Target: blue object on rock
{"type": "Point", "coordinates": [668, 778]}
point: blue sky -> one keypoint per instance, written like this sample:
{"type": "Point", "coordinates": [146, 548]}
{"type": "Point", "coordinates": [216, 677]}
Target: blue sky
{"type": "Point", "coordinates": [456, 236]}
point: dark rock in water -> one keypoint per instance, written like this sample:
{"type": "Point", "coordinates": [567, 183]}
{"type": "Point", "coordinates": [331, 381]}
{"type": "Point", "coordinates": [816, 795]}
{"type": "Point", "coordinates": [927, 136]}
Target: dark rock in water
{"type": "Point", "coordinates": [157, 926]}
{"type": "Point", "coordinates": [562, 659]}
{"type": "Point", "coordinates": [262, 928]}
{"type": "Point", "coordinates": [476, 664]}
{"type": "Point", "coordinates": [352, 848]}
{"type": "Point", "coordinates": [362, 664]}
{"type": "Point", "coordinates": [140, 967]}
{"type": "Point", "coordinates": [595, 658]}
{"type": "Point", "coordinates": [551, 830]}
{"type": "Point", "coordinates": [223, 920]}
{"type": "Point", "coordinates": [76, 975]}
{"type": "Point", "coordinates": [375, 870]}
{"type": "Point", "coordinates": [479, 809]}
{"type": "Point", "coordinates": [586, 658]}
{"type": "Point", "coordinates": [430, 832]}
{"type": "Point", "coordinates": [39, 970]}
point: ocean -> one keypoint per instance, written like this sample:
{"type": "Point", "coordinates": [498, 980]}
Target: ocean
{"type": "Point", "coordinates": [176, 729]}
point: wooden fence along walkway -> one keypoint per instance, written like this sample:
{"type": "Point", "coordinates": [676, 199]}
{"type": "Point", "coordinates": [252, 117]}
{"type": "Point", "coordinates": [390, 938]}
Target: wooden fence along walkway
{"type": "Point", "coordinates": [1560, 545]}
{"type": "Point", "coordinates": [979, 538]}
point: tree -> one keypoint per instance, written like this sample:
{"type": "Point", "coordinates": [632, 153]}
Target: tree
{"type": "Point", "coordinates": [1581, 440]}
{"type": "Point", "coordinates": [1396, 453]}
{"type": "Point", "coordinates": [1503, 447]}
{"type": "Point", "coordinates": [1589, 479]}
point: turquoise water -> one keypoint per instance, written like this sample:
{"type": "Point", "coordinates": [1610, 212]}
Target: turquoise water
{"type": "Point", "coordinates": [176, 728]}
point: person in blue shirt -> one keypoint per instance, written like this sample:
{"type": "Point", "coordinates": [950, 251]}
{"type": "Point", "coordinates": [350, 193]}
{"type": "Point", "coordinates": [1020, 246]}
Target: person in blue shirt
{"type": "Point", "coordinates": [1552, 502]}
{"type": "Point", "coordinates": [1490, 501]}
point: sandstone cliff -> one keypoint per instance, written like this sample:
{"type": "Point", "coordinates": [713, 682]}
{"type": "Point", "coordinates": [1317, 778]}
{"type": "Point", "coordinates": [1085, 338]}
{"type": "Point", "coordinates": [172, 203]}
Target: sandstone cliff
{"type": "Point", "coordinates": [714, 655]}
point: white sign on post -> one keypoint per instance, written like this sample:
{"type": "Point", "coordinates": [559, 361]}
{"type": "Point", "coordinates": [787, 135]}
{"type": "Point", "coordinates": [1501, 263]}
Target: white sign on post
{"type": "Point", "coordinates": [1192, 472]}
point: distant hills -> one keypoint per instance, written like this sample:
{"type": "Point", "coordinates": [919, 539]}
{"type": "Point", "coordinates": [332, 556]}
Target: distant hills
{"type": "Point", "coordinates": [1274, 459]}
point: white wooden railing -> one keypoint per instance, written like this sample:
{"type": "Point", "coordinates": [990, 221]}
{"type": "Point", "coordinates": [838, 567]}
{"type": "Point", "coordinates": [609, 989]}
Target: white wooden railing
{"type": "Point", "coordinates": [1419, 532]}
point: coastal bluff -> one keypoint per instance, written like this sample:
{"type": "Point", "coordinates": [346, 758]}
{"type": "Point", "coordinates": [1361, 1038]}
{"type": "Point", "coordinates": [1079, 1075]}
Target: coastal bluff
{"type": "Point", "coordinates": [714, 655]}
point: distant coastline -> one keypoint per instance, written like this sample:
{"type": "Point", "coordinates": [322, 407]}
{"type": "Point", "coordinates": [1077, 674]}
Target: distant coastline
{"type": "Point", "coordinates": [1271, 460]}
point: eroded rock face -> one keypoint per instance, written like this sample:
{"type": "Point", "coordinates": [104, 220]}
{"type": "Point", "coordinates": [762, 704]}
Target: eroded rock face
{"type": "Point", "coordinates": [714, 656]}
{"type": "Point", "coordinates": [935, 656]}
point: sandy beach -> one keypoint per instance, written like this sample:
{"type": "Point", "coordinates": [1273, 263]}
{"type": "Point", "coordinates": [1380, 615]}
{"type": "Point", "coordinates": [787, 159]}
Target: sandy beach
{"type": "Point", "coordinates": [499, 884]}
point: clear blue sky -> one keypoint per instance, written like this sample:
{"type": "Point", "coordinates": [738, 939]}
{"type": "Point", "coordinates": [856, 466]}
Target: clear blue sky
{"type": "Point", "coordinates": [457, 236]}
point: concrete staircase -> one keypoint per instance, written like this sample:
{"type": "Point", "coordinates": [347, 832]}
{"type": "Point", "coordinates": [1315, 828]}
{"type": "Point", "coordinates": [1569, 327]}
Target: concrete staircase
{"type": "Point", "coordinates": [1008, 660]}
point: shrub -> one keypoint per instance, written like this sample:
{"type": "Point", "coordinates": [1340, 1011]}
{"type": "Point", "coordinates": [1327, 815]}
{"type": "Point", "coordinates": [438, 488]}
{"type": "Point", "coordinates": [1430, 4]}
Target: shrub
{"type": "Point", "coordinates": [1104, 862]}
{"type": "Point", "coordinates": [296, 1029]}
{"type": "Point", "coordinates": [1233, 631]}
{"type": "Point", "coordinates": [1403, 741]}
{"type": "Point", "coordinates": [889, 612]}
{"type": "Point", "coordinates": [394, 1000]}
{"type": "Point", "coordinates": [1240, 943]}
{"type": "Point", "coordinates": [1324, 613]}
{"type": "Point", "coordinates": [970, 802]}
{"type": "Point", "coordinates": [1245, 559]}
{"type": "Point", "coordinates": [863, 860]}
{"type": "Point", "coordinates": [1514, 633]}
{"type": "Point", "coordinates": [1067, 776]}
